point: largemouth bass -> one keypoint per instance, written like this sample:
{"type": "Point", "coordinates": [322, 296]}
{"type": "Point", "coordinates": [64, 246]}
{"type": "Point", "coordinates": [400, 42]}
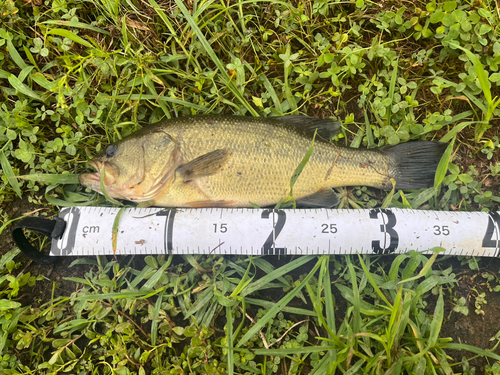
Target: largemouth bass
{"type": "Point", "coordinates": [231, 161]}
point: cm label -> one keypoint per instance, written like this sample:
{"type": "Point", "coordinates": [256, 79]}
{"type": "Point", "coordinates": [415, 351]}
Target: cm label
{"type": "Point", "coordinates": [90, 229]}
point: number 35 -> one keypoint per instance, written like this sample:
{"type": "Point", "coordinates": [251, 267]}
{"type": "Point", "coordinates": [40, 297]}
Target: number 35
{"type": "Point", "coordinates": [441, 230]}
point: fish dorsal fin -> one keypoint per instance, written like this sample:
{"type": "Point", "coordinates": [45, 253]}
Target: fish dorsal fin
{"type": "Point", "coordinates": [322, 198]}
{"type": "Point", "coordinates": [205, 165]}
{"type": "Point", "coordinates": [327, 128]}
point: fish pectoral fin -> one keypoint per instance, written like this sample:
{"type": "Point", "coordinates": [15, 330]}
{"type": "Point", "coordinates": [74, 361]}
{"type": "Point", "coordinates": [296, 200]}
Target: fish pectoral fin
{"type": "Point", "coordinates": [204, 165]}
{"type": "Point", "coordinates": [322, 198]}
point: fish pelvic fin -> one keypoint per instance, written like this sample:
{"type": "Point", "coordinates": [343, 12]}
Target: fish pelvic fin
{"type": "Point", "coordinates": [322, 198]}
{"type": "Point", "coordinates": [414, 163]}
{"type": "Point", "coordinates": [205, 165]}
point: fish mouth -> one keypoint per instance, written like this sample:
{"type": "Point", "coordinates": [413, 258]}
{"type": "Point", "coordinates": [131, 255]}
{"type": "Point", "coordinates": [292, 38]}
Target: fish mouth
{"type": "Point", "coordinates": [105, 171]}
{"type": "Point", "coordinates": [91, 179]}
{"type": "Point", "coordinates": [84, 177]}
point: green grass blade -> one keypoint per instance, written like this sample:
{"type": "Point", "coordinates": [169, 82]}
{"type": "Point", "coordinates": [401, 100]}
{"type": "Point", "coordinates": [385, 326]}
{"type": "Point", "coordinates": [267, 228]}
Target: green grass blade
{"type": "Point", "coordinates": [442, 168]}
{"type": "Point", "coordinates": [329, 303]}
{"type": "Point", "coordinates": [437, 321]}
{"type": "Point", "coordinates": [84, 201]}
{"type": "Point", "coordinates": [156, 277]}
{"type": "Point", "coordinates": [373, 283]}
{"type": "Point", "coordinates": [443, 362]}
{"type": "Point", "coordinates": [30, 57]}
{"type": "Point", "coordinates": [356, 302]}
{"type": "Point", "coordinates": [456, 118]}
{"type": "Point", "coordinates": [243, 282]}
{"type": "Point", "coordinates": [457, 129]}
{"type": "Point", "coordinates": [286, 351]}
{"type": "Point", "coordinates": [472, 349]}
{"type": "Point", "coordinates": [150, 85]}
{"type": "Point", "coordinates": [355, 368]}
{"type": "Point", "coordinates": [394, 320]}
{"type": "Point", "coordinates": [287, 309]}
{"type": "Point", "coordinates": [297, 172]}
{"type": "Point", "coordinates": [116, 224]}
{"type": "Point", "coordinates": [154, 320]}
{"type": "Point", "coordinates": [323, 367]}
{"type": "Point", "coordinates": [302, 164]}
{"type": "Point", "coordinates": [201, 302]}
{"type": "Point", "coordinates": [167, 23]}
{"type": "Point", "coordinates": [423, 288]}
{"type": "Point", "coordinates": [481, 74]}
{"type": "Point", "coordinates": [141, 275]}
{"type": "Point", "coordinates": [25, 72]}
{"type": "Point", "coordinates": [415, 330]}
{"type": "Point", "coordinates": [423, 197]}
{"type": "Point", "coordinates": [119, 295]}
{"type": "Point", "coordinates": [478, 102]}
{"type": "Point", "coordinates": [47, 178]}
{"type": "Point", "coordinates": [392, 87]}
{"type": "Point", "coordinates": [404, 317]}
{"type": "Point", "coordinates": [277, 308]}
{"type": "Point", "coordinates": [103, 189]}
{"type": "Point", "coordinates": [274, 97]}
{"type": "Point", "coordinates": [43, 81]}
{"type": "Point", "coordinates": [318, 307]}
{"type": "Point", "coordinates": [70, 35]}
{"type": "Point", "coordinates": [388, 199]}
{"type": "Point", "coordinates": [215, 59]}
{"type": "Point", "coordinates": [324, 285]}
{"type": "Point", "coordinates": [230, 340]}
{"type": "Point", "coordinates": [22, 88]}
{"type": "Point", "coordinates": [157, 98]}
{"type": "Point", "coordinates": [4, 74]}
{"type": "Point", "coordinates": [125, 31]}
{"type": "Point", "coordinates": [16, 57]}
{"type": "Point", "coordinates": [396, 264]}
{"type": "Point", "coordinates": [426, 268]}
{"type": "Point", "coordinates": [9, 173]}
{"type": "Point", "coordinates": [77, 24]}
{"type": "Point", "coordinates": [276, 274]}
{"type": "Point", "coordinates": [369, 133]}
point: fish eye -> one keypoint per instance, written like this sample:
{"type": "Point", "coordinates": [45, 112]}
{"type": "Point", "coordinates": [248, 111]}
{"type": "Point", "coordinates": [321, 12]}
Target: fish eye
{"type": "Point", "coordinates": [111, 151]}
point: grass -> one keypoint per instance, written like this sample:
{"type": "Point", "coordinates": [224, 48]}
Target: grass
{"type": "Point", "coordinates": [77, 75]}
{"type": "Point", "coordinates": [137, 319]}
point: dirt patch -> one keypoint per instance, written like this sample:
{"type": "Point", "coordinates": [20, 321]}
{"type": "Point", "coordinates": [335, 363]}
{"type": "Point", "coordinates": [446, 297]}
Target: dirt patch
{"type": "Point", "coordinates": [476, 328]}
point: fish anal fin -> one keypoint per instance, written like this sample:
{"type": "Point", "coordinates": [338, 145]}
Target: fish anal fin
{"type": "Point", "coordinates": [322, 198]}
{"type": "Point", "coordinates": [201, 204]}
{"type": "Point", "coordinates": [204, 165]}
{"type": "Point", "coordinates": [327, 128]}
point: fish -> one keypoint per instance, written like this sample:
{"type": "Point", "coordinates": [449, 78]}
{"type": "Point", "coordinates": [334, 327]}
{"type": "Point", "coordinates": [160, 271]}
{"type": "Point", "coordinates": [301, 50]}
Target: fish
{"type": "Point", "coordinates": [238, 161]}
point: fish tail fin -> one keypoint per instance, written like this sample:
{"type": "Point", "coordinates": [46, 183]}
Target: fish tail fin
{"type": "Point", "coordinates": [415, 163]}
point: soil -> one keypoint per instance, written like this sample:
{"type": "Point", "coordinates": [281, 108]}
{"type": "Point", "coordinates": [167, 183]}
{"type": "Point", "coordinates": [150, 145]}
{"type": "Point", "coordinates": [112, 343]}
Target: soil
{"type": "Point", "coordinates": [476, 329]}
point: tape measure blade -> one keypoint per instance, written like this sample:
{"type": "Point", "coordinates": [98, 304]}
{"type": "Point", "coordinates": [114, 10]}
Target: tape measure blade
{"type": "Point", "coordinates": [268, 231]}
{"type": "Point", "coordinates": [221, 231]}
